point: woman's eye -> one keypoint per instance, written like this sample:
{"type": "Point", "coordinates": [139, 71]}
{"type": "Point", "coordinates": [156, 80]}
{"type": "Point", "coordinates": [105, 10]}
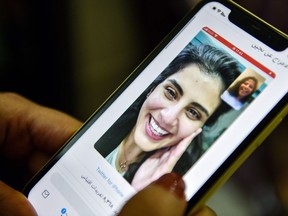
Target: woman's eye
{"type": "Point", "coordinates": [170, 93]}
{"type": "Point", "coordinates": [193, 114]}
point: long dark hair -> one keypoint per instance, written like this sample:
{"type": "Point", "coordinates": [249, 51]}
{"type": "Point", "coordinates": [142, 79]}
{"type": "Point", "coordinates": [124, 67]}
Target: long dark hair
{"type": "Point", "coordinates": [212, 61]}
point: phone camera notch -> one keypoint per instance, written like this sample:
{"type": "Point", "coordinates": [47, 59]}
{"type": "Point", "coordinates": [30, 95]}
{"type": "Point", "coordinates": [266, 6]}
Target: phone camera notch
{"type": "Point", "coordinates": [218, 11]}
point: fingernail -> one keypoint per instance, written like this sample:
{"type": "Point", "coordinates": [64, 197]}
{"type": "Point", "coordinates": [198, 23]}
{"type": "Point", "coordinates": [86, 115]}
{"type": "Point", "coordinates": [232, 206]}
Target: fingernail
{"type": "Point", "coordinates": [173, 183]}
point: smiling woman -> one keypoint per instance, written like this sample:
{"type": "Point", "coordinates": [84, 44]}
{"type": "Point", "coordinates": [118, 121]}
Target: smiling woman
{"type": "Point", "coordinates": [175, 109]}
{"type": "Point", "coordinates": [161, 124]}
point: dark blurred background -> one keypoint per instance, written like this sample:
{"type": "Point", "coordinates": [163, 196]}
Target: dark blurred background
{"type": "Point", "coordinates": [71, 55]}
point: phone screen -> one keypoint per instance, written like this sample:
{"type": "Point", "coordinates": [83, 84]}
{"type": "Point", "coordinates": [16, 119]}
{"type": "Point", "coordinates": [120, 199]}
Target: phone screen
{"type": "Point", "coordinates": [199, 98]}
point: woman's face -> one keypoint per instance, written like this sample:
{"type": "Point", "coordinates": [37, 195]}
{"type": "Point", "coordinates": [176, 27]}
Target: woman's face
{"type": "Point", "coordinates": [176, 108]}
{"type": "Point", "coordinates": [246, 88]}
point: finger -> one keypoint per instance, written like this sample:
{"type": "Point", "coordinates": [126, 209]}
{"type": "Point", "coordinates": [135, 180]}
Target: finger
{"type": "Point", "coordinates": [203, 211]}
{"type": "Point", "coordinates": [50, 128]}
{"type": "Point", "coordinates": [36, 161]}
{"type": "Point", "coordinates": [26, 125]}
{"type": "Point", "coordinates": [13, 202]}
{"type": "Point", "coordinates": [178, 150]}
{"type": "Point", "coordinates": [186, 142]}
{"type": "Point", "coordinates": [163, 197]}
{"type": "Point", "coordinates": [29, 130]}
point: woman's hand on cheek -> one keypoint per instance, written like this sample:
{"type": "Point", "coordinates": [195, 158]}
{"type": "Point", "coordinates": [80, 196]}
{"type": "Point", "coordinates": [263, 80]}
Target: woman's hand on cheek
{"type": "Point", "coordinates": [161, 162]}
{"type": "Point", "coordinates": [163, 197]}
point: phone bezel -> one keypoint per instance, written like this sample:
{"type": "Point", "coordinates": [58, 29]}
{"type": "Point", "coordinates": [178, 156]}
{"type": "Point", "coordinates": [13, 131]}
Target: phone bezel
{"type": "Point", "coordinates": [241, 148]}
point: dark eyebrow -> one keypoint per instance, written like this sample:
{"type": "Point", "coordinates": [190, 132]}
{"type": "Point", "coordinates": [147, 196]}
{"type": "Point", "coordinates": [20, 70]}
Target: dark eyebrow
{"type": "Point", "coordinates": [175, 83]}
{"type": "Point", "coordinates": [199, 106]}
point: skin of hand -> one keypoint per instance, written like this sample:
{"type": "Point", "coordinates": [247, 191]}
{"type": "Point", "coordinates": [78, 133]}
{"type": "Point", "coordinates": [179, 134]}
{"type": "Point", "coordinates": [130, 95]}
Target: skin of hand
{"type": "Point", "coordinates": [12, 202]}
{"type": "Point", "coordinates": [164, 196]}
{"type": "Point", "coordinates": [161, 162]}
{"type": "Point", "coordinates": [31, 133]}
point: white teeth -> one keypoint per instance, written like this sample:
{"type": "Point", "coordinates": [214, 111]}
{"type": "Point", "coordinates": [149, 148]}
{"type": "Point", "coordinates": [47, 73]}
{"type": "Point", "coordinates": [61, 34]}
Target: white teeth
{"type": "Point", "coordinates": [156, 129]}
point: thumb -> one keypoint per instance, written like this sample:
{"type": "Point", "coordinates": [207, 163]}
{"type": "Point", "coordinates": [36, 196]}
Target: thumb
{"type": "Point", "coordinates": [163, 197]}
{"type": "Point", "coordinates": [13, 202]}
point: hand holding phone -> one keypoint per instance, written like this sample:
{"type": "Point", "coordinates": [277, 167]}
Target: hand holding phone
{"type": "Point", "coordinates": [26, 124]}
{"type": "Point", "coordinates": [221, 69]}
{"type": "Point", "coordinates": [58, 127]}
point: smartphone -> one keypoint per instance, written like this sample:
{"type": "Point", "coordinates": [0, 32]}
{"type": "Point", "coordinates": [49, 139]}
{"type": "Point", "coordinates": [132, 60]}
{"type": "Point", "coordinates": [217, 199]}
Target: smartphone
{"type": "Point", "coordinates": [198, 105]}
